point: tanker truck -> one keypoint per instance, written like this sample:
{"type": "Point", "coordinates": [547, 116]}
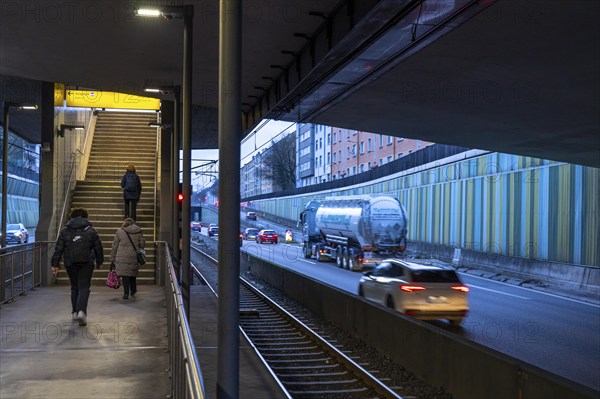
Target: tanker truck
{"type": "Point", "coordinates": [355, 231]}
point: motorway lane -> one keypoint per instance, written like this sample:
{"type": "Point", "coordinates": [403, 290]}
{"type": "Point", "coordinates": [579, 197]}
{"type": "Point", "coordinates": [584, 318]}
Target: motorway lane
{"type": "Point", "coordinates": [554, 333]}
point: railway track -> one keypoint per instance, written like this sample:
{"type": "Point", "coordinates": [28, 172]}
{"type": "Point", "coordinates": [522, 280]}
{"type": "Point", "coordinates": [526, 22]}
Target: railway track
{"type": "Point", "coordinates": [306, 364]}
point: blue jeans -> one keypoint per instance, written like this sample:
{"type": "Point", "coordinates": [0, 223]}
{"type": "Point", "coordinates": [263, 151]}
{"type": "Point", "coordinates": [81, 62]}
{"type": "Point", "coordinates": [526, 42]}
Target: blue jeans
{"type": "Point", "coordinates": [80, 275]}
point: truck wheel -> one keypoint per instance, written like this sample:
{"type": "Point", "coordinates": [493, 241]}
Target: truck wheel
{"type": "Point", "coordinates": [306, 251]}
{"type": "Point", "coordinates": [344, 258]}
{"type": "Point", "coordinates": [338, 257]}
{"type": "Point", "coordinates": [351, 260]}
{"type": "Point", "coordinates": [318, 252]}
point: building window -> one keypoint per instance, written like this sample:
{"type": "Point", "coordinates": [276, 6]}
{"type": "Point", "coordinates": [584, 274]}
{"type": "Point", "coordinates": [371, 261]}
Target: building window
{"type": "Point", "coordinates": [369, 145]}
{"type": "Point", "coordinates": [380, 161]}
{"type": "Point", "coordinates": [340, 156]}
{"type": "Point", "coordinates": [320, 160]}
{"type": "Point", "coordinates": [334, 137]}
{"type": "Point", "coordinates": [362, 147]}
{"type": "Point", "coordinates": [321, 142]}
{"type": "Point", "coordinates": [354, 149]}
{"type": "Point", "coordinates": [348, 136]}
{"type": "Point", "coordinates": [400, 155]}
{"type": "Point", "coordinates": [348, 155]}
{"type": "Point", "coordinates": [390, 140]}
{"type": "Point", "coordinates": [380, 140]}
{"type": "Point", "coordinates": [409, 151]}
{"type": "Point", "coordinates": [328, 138]}
{"type": "Point", "coordinates": [389, 159]}
{"type": "Point", "coordinates": [334, 157]}
{"type": "Point", "coordinates": [354, 170]}
{"type": "Point", "coordinates": [362, 167]}
{"type": "Point", "coordinates": [400, 139]}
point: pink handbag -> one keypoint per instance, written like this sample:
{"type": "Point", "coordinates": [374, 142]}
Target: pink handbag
{"type": "Point", "coordinates": [113, 281]}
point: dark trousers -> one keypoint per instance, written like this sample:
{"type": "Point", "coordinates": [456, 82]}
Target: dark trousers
{"type": "Point", "coordinates": [80, 276]}
{"type": "Point", "coordinates": [129, 284]}
{"type": "Point", "coordinates": [130, 206]}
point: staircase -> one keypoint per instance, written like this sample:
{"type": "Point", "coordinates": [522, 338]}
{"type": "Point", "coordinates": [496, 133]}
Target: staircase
{"type": "Point", "coordinates": [120, 139]}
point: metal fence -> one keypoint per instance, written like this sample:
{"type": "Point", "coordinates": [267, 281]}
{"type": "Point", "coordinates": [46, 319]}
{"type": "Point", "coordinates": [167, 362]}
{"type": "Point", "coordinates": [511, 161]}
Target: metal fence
{"type": "Point", "coordinates": [21, 269]}
{"type": "Point", "coordinates": [186, 376]}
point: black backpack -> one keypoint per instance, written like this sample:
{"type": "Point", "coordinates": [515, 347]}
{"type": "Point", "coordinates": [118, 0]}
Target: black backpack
{"type": "Point", "coordinates": [79, 246]}
{"type": "Point", "coordinates": [131, 182]}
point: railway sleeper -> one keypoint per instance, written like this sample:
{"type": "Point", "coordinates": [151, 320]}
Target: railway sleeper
{"type": "Point", "coordinates": [329, 393]}
{"type": "Point", "coordinates": [312, 375]}
{"type": "Point", "coordinates": [301, 361]}
{"type": "Point", "coordinates": [306, 367]}
{"type": "Point", "coordinates": [315, 383]}
{"type": "Point", "coordinates": [303, 354]}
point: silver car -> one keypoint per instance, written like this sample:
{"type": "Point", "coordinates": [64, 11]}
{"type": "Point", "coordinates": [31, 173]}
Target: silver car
{"type": "Point", "coordinates": [425, 292]}
{"type": "Point", "coordinates": [16, 233]}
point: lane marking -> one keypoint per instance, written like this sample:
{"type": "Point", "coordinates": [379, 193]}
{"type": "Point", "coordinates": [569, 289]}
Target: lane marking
{"type": "Point", "coordinates": [499, 292]}
{"type": "Point", "coordinates": [532, 290]}
{"type": "Point", "coordinates": [307, 261]}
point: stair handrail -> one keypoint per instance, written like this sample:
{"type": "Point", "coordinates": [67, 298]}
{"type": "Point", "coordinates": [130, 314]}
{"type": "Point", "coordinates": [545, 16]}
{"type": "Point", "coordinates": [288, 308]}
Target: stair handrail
{"type": "Point", "coordinates": [156, 160]}
{"type": "Point", "coordinates": [87, 146]}
{"type": "Point", "coordinates": [77, 168]}
{"type": "Point", "coordinates": [67, 193]}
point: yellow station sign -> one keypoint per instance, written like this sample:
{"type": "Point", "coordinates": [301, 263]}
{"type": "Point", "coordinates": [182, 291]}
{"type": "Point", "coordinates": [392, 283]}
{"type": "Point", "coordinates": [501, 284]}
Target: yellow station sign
{"type": "Point", "coordinates": [59, 94]}
{"type": "Point", "coordinates": [109, 99]}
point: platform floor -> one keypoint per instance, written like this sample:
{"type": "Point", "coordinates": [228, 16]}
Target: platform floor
{"type": "Point", "coordinates": [121, 353]}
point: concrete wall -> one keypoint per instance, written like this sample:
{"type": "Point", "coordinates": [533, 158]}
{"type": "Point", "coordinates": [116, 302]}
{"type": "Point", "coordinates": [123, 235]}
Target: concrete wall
{"type": "Point", "coordinates": [465, 369]}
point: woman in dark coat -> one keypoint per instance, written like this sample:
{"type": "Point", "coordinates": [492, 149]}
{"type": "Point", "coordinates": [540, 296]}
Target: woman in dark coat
{"type": "Point", "coordinates": [124, 256]}
{"type": "Point", "coordinates": [132, 190]}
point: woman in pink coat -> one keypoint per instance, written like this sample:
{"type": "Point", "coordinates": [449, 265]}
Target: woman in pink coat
{"type": "Point", "coordinates": [124, 255]}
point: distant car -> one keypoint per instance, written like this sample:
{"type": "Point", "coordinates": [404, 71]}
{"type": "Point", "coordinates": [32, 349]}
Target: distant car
{"type": "Point", "coordinates": [16, 233]}
{"type": "Point", "coordinates": [267, 236]}
{"type": "Point", "coordinates": [213, 231]}
{"type": "Point", "coordinates": [196, 226]}
{"type": "Point", "coordinates": [241, 239]}
{"type": "Point", "coordinates": [425, 292]}
{"type": "Point", "coordinates": [250, 233]}
{"type": "Point", "coordinates": [251, 215]}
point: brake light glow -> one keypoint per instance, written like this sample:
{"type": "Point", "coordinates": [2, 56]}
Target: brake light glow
{"type": "Point", "coordinates": [461, 288]}
{"type": "Point", "coordinates": [411, 288]}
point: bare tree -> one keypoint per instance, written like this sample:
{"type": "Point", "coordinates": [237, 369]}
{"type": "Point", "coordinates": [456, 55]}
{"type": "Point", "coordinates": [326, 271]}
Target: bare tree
{"type": "Point", "coordinates": [280, 163]}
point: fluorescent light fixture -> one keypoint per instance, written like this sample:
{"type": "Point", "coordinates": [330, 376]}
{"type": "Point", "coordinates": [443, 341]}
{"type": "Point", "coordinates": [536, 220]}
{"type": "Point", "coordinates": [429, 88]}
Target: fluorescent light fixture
{"type": "Point", "coordinates": [148, 12]}
{"type": "Point", "coordinates": [152, 90]}
{"type": "Point", "coordinates": [167, 12]}
{"type": "Point", "coordinates": [161, 125]}
{"type": "Point", "coordinates": [19, 106]}
{"type": "Point", "coordinates": [63, 127]}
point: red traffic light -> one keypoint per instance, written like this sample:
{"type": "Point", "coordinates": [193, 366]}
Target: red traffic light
{"type": "Point", "coordinates": [180, 197]}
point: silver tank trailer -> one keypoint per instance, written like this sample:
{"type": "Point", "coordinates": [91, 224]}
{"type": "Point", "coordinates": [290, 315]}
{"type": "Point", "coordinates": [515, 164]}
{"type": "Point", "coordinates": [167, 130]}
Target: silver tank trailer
{"type": "Point", "coordinates": [374, 222]}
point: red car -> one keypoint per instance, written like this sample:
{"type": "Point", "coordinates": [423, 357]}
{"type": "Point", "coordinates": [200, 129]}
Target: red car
{"type": "Point", "coordinates": [267, 236]}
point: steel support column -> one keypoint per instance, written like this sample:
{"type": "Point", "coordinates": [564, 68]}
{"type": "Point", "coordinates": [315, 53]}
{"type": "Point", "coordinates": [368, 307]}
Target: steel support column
{"type": "Point", "coordinates": [230, 46]}
{"type": "Point", "coordinates": [186, 278]}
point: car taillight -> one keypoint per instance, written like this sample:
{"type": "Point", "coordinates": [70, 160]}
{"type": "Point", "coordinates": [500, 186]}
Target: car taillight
{"type": "Point", "coordinates": [411, 288]}
{"type": "Point", "coordinates": [461, 288]}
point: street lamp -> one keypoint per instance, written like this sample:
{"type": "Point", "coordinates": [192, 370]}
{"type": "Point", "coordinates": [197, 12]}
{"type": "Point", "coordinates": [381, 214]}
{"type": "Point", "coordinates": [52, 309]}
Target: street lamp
{"type": "Point", "coordinates": [7, 107]}
{"type": "Point", "coordinates": [185, 12]}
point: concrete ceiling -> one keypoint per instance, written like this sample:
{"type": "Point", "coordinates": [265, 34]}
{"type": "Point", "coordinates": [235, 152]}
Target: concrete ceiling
{"type": "Point", "coordinates": [511, 76]}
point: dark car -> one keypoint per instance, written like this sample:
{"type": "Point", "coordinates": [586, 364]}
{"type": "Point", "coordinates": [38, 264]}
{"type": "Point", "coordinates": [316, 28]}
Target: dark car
{"type": "Point", "coordinates": [267, 236]}
{"type": "Point", "coordinates": [213, 231]}
{"type": "Point", "coordinates": [196, 226]}
{"type": "Point", "coordinates": [251, 215]}
{"type": "Point", "coordinates": [250, 233]}
{"type": "Point", "coordinates": [16, 233]}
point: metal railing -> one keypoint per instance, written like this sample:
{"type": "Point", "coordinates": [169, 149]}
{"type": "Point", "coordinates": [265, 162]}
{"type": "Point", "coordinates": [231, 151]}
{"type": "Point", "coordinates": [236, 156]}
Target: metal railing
{"type": "Point", "coordinates": [186, 376]}
{"type": "Point", "coordinates": [21, 269]}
